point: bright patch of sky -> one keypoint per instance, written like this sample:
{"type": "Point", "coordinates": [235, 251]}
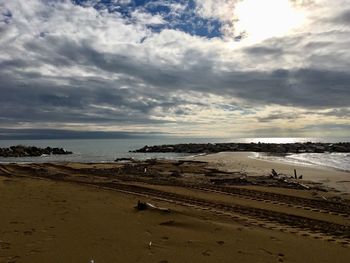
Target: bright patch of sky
{"type": "Point", "coordinates": [197, 67]}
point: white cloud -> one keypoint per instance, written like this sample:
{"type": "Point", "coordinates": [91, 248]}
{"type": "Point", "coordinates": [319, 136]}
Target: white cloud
{"type": "Point", "coordinates": [143, 18]}
{"type": "Point", "coordinates": [222, 10]}
{"type": "Point", "coordinates": [216, 9]}
{"type": "Point", "coordinates": [100, 69]}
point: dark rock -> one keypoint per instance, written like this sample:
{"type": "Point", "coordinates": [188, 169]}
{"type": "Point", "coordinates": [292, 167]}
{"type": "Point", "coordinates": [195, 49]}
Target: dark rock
{"type": "Point", "coordinates": [274, 148]}
{"type": "Point", "coordinates": [124, 160]}
{"type": "Point", "coordinates": [30, 151]}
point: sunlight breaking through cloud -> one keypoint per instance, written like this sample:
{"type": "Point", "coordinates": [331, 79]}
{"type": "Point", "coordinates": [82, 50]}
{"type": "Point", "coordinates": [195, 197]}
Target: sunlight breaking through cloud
{"type": "Point", "coordinates": [183, 66]}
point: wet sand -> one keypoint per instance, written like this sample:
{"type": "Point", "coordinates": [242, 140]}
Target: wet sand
{"type": "Point", "coordinates": [81, 212]}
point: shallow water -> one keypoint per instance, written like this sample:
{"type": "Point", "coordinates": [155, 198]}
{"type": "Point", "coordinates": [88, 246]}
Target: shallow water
{"type": "Point", "coordinates": [340, 161]}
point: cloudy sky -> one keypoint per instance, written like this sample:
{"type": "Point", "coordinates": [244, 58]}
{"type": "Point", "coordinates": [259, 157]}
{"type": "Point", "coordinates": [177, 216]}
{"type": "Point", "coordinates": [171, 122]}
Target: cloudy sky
{"type": "Point", "coordinates": [209, 68]}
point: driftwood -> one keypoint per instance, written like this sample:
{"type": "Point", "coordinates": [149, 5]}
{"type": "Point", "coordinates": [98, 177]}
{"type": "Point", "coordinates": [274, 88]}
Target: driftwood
{"type": "Point", "coordinates": [144, 205]}
{"type": "Point", "coordinates": [289, 179]}
{"type": "Point", "coordinates": [296, 176]}
{"type": "Point", "coordinates": [297, 184]}
{"type": "Point", "coordinates": [274, 173]}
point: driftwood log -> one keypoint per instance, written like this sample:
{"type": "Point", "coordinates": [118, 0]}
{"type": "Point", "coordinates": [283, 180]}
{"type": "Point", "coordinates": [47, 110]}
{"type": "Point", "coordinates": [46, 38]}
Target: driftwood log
{"type": "Point", "coordinates": [144, 205]}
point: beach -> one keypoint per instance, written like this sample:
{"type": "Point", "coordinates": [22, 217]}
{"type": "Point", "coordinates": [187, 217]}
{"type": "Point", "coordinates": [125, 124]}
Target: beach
{"type": "Point", "coordinates": [74, 212]}
{"type": "Point", "coordinates": [247, 162]}
{"type": "Point", "coordinates": [174, 131]}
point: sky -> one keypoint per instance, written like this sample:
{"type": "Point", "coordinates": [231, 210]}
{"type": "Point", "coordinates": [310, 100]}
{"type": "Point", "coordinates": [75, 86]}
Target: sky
{"type": "Point", "coordinates": [198, 68]}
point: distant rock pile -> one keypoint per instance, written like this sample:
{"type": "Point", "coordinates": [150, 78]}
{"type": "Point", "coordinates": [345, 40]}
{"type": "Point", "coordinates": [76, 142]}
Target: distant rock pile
{"type": "Point", "coordinates": [276, 148]}
{"type": "Point", "coordinates": [30, 151]}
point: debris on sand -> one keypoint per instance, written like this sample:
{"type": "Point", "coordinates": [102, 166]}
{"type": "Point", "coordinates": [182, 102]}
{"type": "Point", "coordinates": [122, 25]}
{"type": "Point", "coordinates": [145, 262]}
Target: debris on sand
{"type": "Point", "coordinates": [274, 173]}
{"type": "Point", "coordinates": [122, 160]}
{"type": "Point", "coordinates": [144, 205]}
{"type": "Point", "coordinates": [289, 180]}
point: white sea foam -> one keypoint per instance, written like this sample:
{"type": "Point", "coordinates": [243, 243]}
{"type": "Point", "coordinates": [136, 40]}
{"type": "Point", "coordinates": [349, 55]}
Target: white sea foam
{"type": "Point", "coordinates": [340, 161]}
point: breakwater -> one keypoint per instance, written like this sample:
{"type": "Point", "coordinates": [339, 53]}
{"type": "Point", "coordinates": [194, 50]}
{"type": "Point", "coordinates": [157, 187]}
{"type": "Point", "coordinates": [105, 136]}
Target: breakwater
{"type": "Point", "coordinates": [30, 151]}
{"type": "Point", "coordinates": [280, 148]}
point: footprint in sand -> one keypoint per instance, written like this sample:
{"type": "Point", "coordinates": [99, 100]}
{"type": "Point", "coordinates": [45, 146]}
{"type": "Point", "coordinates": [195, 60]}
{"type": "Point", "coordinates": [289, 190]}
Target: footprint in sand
{"type": "Point", "coordinates": [10, 259]}
{"type": "Point", "coordinates": [266, 251]}
{"type": "Point", "coordinates": [28, 232]}
{"type": "Point", "coordinates": [16, 222]}
{"type": "Point", "coordinates": [275, 239]}
{"type": "Point", "coordinates": [280, 257]}
{"type": "Point", "coordinates": [168, 223]}
{"type": "Point", "coordinates": [4, 245]}
{"type": "Point", "coordinates": [33, 252]}
{"type": "Point", "coordinates": [206, 253]}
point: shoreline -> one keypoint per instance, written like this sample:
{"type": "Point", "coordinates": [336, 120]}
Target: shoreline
{"type": "Point", "coordinates": [244, 161]}
{"type": "Point", "coordinates": [298, 162]}
{"type": "Point", "coordinates": [339, 180]}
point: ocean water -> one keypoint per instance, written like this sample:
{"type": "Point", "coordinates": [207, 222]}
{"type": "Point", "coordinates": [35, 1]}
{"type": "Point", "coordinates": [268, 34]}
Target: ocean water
{"type": "Point", "coordinates": [108, 150]}
{"type": "Point", "coordinates": [97, 150]}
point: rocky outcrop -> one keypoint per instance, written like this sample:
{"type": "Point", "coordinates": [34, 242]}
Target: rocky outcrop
{"type": "Point", "coordinates": [30, 151]}
{"type": "Point", "coordinates": [275, 148]}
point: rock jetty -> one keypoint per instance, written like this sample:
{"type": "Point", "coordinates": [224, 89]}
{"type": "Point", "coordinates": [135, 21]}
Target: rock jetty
{"type": "Point", "coordinates": [30, 151]}
{"type": "Point", "coordinates": [275, 148]}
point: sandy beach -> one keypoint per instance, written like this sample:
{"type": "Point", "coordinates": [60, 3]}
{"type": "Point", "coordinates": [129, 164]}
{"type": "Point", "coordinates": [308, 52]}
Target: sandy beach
{"type": "Point", "coordinates": [245, 162]}
{"type": "Point", "coordinates": [160, 131]}
{"type": "Point", "coordinates": [71, 212]}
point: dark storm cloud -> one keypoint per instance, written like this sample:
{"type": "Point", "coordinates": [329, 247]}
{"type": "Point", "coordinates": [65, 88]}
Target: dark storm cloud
{"type": "Point", "coordinates": [263, 50]}
{"type": "Point", "coordinates": [34, 134]}
{"type": "Point", "coordinates": [328, 126]}
{"type": "Point", "coordinates": [35, 97]}
{"type": "Point", "coordinates": [312, 88]}
{"type": "Point", "coordinates": [278, 116]}
{"type": "Point", "coordinates": [100, 69]}
{"type": "Point", "coordinates": [343, 113]}
{"type": "Point", "coordinates": [44, 100]}
{"type": "Point", "coordinates": [325, 129]}
{"type": "Point", "coordinates": [342, 18]}
{"type": "Point", "coordinates": [306, 87]}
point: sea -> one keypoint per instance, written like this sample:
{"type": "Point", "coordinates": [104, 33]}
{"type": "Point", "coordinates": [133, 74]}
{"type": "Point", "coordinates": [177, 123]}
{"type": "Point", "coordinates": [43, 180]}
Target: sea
{"type": "Point", "coordinates": [107, 150]}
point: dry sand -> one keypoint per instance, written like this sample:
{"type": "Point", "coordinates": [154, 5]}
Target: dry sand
{"type": "Point", "coordinates": [243, 161]}
{"type": "Point", "coordinates": [44, 220]}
